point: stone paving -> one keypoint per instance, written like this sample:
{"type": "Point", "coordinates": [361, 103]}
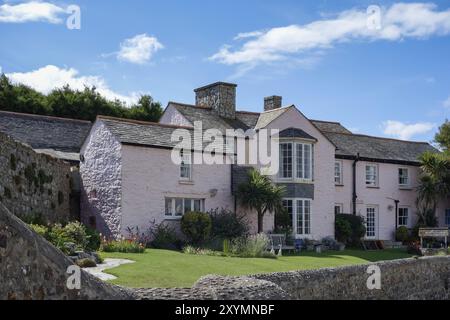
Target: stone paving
{"type": "Point", "coordinates": [107, 264]}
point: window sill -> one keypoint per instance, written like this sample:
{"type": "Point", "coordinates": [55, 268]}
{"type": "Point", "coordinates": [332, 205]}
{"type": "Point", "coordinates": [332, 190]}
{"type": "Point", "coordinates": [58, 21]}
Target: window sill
{"type": "Point", "coordinates": [339, 185]}
{"type": "Point", "coordinates": [407, 188]}
{"type": "Point", "coordinates": [281, 180]}
{"type": "Point", "coordinates": [167, 218]}
{"type": "Point", "coordinates": [372, 187]}
{"type": "Point", "coordinates": [188, 182]}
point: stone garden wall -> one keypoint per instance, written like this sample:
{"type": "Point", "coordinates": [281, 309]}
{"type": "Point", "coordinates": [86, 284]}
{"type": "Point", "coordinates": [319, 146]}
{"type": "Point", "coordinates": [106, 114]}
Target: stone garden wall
{"type": "Point", "coordinates": [33, 185]}
{"type": "Point", "coordinates": [31, 268]}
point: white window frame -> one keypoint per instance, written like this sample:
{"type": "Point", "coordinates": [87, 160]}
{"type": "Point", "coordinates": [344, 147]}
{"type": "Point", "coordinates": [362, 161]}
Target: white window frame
{"type": "Point", "coordinates": [338, 177]}
{"type": "Point", "coordinates": [375, 222]}
{"type": "Point", "coordinates": [298, 162]}
{"type": "Point", "coordinates": [400, 177]}
{"type": "Point", "coordinates": [292, 156]}
{"type": "Point", "coordinates": [369, 182]}
{"type": "Point", "coordinates": [400, 218]}
{"type": "Point", "coordinates": [172, 214]}
{"type": "Point", "coordinates": [306, 217]}
{"type": "Point", "coordinates": [186, 162]}
{"type": "Point", "coordinates": [340, 206]}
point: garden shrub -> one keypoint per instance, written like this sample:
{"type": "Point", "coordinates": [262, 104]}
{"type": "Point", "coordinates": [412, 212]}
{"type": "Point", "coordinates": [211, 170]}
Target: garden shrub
{"type": "Point", "coordinates": [226, 224]}
{"type": "Point", "coordinates": [164, 237]}
{"type": "Point", "coordinates": [40, 230]}
{"type": "Point", "coordinates": [86, 263]}
{"type": "Point", "coordinates": [201, 251]}
{"type": "Point", "coordinates": [254, 246]}
{"type": "Point", "coordinates": [93, 240]}
{"type": "Point", "coordinates": [343, 229]}
{"type": "Point", "coordinates": [196, 226]}
{"type": "Point", "coordinates": [74, 233]}
{"type": "Point", "coordinates": [402, 234]}
{"type": "Point", "coordinates": [357, 229]}
{"type": "Point", "coordinates": [122, 245]}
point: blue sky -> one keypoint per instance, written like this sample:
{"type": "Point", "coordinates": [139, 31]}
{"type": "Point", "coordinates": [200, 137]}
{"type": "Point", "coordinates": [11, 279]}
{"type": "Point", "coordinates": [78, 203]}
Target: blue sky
{"type": "Point", "coordinates": [393, 80]}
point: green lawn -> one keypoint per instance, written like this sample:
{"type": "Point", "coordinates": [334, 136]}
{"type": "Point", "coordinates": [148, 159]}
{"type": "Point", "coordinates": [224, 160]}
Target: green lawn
{"type": "Point", "coordinates": [165, 269]}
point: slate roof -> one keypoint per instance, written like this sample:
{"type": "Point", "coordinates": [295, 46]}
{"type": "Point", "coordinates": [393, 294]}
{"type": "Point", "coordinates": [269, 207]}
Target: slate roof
{"type": "Point", "coordinates": [143, 133]}
{"type": "Point", "coordinates": [378, 148]}
{"type": "Point", "coordinates": [330, 126]}
{"type": "Point", "coordinates": [295, 133]}
{"type": "Point", "coordinates": [210, 120]}
{"type": "Point", "coordinates": [348, 144]}
{"type": "Point", "coordinates": [267, 117]}
{"type": "Point", "coordinates": [59, 137]}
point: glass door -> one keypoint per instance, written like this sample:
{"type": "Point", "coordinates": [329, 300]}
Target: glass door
{"type": "Point", "coordinates": [371, 222]}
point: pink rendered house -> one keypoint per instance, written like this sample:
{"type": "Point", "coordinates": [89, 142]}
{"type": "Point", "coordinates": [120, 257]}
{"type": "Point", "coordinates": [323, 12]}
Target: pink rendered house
{"type": "Point", "coordinates": [128, 178]}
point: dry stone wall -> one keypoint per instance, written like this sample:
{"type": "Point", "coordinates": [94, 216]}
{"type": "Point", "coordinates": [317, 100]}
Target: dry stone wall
{"type": "Point", "coordinates": [31, 268]}
{"type": "Point", "coordinates": [32, 185]}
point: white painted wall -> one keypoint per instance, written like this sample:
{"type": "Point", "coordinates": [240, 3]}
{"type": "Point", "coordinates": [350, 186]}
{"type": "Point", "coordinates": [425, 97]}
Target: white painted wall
{"type": "Point", "coordinates": [381, 197]}
{"type": "Point", "coordinates": [148, 176]}
{"type": "Point", "coordinates": [101, 180]}
{"type": "Point", "coordinates": [174, 117]}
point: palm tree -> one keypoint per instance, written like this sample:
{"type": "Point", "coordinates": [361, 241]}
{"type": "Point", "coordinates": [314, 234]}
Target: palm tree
{"type": "Point", "coordinates": [434, 184]}
{"type": "Point", "coordinates": [261, 195]}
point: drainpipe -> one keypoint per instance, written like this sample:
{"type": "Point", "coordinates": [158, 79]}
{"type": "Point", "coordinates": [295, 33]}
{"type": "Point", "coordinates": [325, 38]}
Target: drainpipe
{"type": "Point", "coordinates": [355, 196]}
{"type": "Point", "coordinates": [396, 213]}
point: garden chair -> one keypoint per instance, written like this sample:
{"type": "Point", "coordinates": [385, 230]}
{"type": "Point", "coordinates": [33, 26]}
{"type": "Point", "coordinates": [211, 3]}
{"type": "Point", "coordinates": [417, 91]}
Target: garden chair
{"type": "Point", "coordinates": [278, 241]}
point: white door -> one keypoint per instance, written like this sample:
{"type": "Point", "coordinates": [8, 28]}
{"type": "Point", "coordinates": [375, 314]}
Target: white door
{"type": "Point", "coordinates": [371, 222]}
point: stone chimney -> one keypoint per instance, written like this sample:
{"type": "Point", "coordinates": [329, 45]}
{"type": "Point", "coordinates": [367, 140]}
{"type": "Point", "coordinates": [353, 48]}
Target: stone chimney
{"type": "Point", "coordinates": [272, 103]}
{"type": "Point", "coordinates": [219, 96]}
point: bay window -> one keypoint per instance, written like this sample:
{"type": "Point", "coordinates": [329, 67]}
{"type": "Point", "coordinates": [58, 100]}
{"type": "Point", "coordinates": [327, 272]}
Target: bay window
{"type": "Point", "coordinates": [296, 161]}
{"type": "Point", "coordinates": [299, 211]}
{"type": "Point", "coordinates": [285, 160]}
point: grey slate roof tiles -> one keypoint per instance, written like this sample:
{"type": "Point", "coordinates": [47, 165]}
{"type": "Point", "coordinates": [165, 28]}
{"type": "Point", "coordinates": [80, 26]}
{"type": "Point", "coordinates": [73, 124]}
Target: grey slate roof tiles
{"type": "Point", "coordinates": [378, 148]}
{"type": "Point", "coordinates": [146, 133]}
{"type": "Point", "coordinates": [266, 118]}
{"type": "Point", "coordinates": [329, 126]}
{"type": "Point", "coordinates": [295, 133]}
{"type": "Point", "coordinates": [59, 137]}
{"type": "Point", "coordinates": [210, 120]}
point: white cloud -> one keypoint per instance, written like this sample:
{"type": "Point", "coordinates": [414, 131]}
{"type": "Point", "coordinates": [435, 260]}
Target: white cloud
{"type": "Point", "coordinates": [31, 12]}
{"type": "Point", "coordinates": [447, 103]}
{"type": "Point", "coordinates": [399, 21]}
{"type": "Point", "coordinates": [245, 35]}
{"type": "Point", "coordinates": [50, 77]}
{"type": "Point", "coordinates": [139, 49]}
{"type": "Point", "coordinates": [405, 131]}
